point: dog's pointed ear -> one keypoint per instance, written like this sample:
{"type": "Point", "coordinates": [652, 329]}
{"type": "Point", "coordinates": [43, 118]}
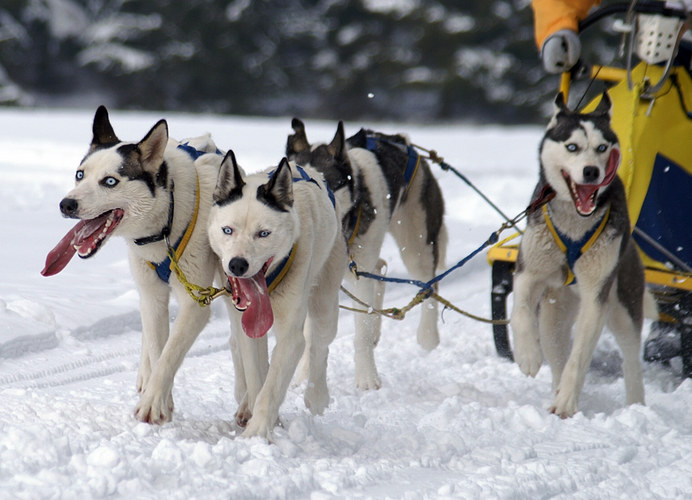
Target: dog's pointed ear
{"type": "Point", "coordinates": [102, 129]}
{"type": "Point", "coordinates": [337, 148]}
{"type": "Point", "coordinates": [153, 146]}
{"type": "Point", "coordinates": [298, 142]}
{"type": "Point", "coordinates": [604, 107]}
{"type": "Point", "coordinates": [559, 104]}
{"type": "Point", "coordinates": [229, 183]}
{"type": "Point", "coordinates": [278, 192]}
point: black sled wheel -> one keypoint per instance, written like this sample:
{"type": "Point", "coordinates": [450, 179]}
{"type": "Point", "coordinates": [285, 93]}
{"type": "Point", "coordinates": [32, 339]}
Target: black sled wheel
{"type": "Point", "coordinates": [501, 288]}
{"type": "Point", "coordinates": [673, 337]}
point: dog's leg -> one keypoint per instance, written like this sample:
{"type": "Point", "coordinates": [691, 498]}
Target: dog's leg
{"type": "Point", "coordinates": [595, 276]}
{"type": "Point", "coordinates": [156, 403]}
{"type": "Point", "coordinates": [153, 303]}
{"type": "Point", "coordinates": [527, 349]}
{"type": "Point", "coordinates": [243, 412]}
{"type": "Point", "coordinates": [303, 370]}
{"type": "Point", "coordinates": [627, 333]}
{"type": "Point", "coordinates": [587, 330]}
{"type": "Point", "coordinates": [289, 346]}
{"type": "Point", "coordinates": [321, 326]}
{"type": "Point", "coordinates": [555, 320]}
{"type": "Point", "coordinates": [238, 365]}
{"type": "Point", "coordinates": [255, 365]}
{"type": "Point", "coordinates": [419, 260]}
{"type": "Point", "coordinates": [366, 337]}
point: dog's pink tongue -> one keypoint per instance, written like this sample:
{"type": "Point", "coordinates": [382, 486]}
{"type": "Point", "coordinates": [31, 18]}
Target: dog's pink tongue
{"type": "Point", "coordinates": [258, 317]}
{"type": "Point", "coordinates": [585, 202]}
{"type": "Point", "coordinates": [86, 236]}
{"type": "Point", "coordinates": [57, 259]}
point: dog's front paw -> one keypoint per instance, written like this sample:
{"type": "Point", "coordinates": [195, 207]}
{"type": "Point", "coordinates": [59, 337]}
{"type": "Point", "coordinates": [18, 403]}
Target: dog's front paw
{"type": "Point", "coordinates": [528, 355]}
{"type": "Point", "coordinates": [154, 408]}
{"type": "Point", "coordinates": [368, 380]}
{"type": "Point", "coordinates": [565, 404]}
{"type": "Point", "coordinates": [317, 398]}
{"type": "Point", "coordinates": [243, 415]}
{"type": "Point", "coordinates": [258, 427]}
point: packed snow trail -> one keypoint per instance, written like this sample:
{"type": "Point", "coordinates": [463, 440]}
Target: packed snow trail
{"type": "Point", "coordinates": [458, 422]}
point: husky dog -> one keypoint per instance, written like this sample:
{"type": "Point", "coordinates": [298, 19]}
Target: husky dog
{"type": "Point", "coordinates": [581, 235]}
{"type": "Point", "coordinates": [150, 192]}
{"type": "Point", "coordinates": [276, 234]}
{"type": "Point", "coordinates": [383, 185]}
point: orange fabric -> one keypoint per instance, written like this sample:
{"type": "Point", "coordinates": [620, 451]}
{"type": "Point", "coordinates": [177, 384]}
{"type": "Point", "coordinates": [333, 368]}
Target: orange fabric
{"type": "Point", "coordinates": [554, 15]}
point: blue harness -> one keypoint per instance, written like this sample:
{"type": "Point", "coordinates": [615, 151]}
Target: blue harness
{"type": "Point", "coordinates": [413, 157]}
{"type": "Point", "coordinates": [573, 249]}
{"type": "Point", "coordinates": [163, 268]}
{"type": "Point", "coordinates": [195, 153]}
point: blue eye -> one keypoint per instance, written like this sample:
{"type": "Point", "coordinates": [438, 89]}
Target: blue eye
{"type": "Point", "coordinates": [571, 147]}
{"type": "Point", "coordinates": [79, 175]}
{"type": "Point", "coordinates": [264, 233]}
{"type": "Point", "coordinates": [602, 148]}
{"type": "Point", "coordinates": [227, 230]}
{"type": "Point", "coordinates": [110, 182]}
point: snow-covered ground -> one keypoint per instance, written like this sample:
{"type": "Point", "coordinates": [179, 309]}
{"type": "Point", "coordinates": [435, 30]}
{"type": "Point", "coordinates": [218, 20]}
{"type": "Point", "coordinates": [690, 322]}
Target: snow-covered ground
{"type": "Point", "coordinates": [458, 422]}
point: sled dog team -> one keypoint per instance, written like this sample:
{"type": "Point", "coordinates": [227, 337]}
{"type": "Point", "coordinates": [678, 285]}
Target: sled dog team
{"type": "Point", "coordinates": [279, 241]}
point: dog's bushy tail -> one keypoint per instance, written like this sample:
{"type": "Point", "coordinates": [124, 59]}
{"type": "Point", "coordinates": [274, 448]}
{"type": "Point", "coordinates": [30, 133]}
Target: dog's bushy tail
{"type": "Point", "coordinates": [650, 306]}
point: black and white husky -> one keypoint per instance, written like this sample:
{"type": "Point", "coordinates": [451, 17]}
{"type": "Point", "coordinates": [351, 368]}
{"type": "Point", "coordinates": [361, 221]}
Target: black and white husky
{"type": "Point", "coordinates": [277, 235]}
{"type": "Point", "coordinates": [580, 237]}
{"type": "Point", "coordinates": [383, 185]}
{"type": "Point", "coordinates": [150, 192]}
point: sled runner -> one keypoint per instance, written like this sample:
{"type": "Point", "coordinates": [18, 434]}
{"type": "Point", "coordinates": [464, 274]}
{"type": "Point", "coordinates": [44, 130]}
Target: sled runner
{"type": "Point", "coordinates": [652, 116]}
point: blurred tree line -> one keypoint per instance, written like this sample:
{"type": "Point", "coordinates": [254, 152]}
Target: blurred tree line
{"type": "Point", "coordinates": [409, 60]}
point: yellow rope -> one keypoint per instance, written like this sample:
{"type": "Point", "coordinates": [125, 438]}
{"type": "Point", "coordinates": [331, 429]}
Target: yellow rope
{"type": "Point", "coordinates": [400, 313]}
{"type": "Point", "coordinates": [202, 295]}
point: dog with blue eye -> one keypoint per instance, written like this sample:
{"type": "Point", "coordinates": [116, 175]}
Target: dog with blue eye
{"type": "Point", "coordinates": [578, 268]}
{"type": "Point", "coordinates": [277, 236]}
{"type": "Point", "coordinates": [155, 194]}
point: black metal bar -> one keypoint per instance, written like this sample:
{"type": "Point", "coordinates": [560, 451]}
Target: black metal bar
{"type": "Point", "coordinates": [501, 287]}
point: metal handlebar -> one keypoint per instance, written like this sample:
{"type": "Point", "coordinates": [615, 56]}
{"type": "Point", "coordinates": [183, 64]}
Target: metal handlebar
{"type": "Point", "coordinates": [640, 7]}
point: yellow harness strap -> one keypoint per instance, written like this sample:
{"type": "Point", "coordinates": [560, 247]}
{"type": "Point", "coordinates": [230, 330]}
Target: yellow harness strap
{"type": "Point", "coordinates": [178, 251]}
{"type": "Point", "coordinates": [355, 226]}
{"type": "Point", "coordinates": [275, 278]}
{"type": "Point", "coordinates": [571, 248]}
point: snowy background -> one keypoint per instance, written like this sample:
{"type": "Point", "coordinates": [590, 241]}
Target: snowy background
{"type": "Point", "coordinates": [458, 422]}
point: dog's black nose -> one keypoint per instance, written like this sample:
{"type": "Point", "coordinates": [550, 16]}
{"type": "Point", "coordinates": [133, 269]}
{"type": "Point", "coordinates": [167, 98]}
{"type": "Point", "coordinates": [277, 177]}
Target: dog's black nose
{"type": "Point", "coordinates": [69, 206]}
{"type": "Point", "coordinates": [591, 173]}
{"type": "Point", "coordinates": [238, 266]}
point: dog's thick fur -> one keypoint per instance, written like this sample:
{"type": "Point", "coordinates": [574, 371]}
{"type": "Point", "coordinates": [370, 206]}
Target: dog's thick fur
{"type": "Point", "coordinates": [254, 223]}
{"type": "Point", "coordinates": [375, 199]}
{"type": "Point", "coordinates": [124, 189]}
{"type": "Point", "coordinates": [574, 156]}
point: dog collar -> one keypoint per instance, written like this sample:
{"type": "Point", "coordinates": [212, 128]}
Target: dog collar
{"type": "Point", "coordinates": [278, 274]}
{"type": "Point", "coordinates": [166, 231]}
{"type": "Point", "coordinates": [573, 249]}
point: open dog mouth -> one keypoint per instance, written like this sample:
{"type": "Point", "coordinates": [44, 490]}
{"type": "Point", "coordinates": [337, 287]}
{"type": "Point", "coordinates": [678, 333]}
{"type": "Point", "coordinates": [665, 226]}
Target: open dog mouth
{"type": "Point", "coordinates": [85, 238]}
{"type": "Point", "coordinates": [250, 296]}
{"type": "Point", "coordinates": [583, 195]}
